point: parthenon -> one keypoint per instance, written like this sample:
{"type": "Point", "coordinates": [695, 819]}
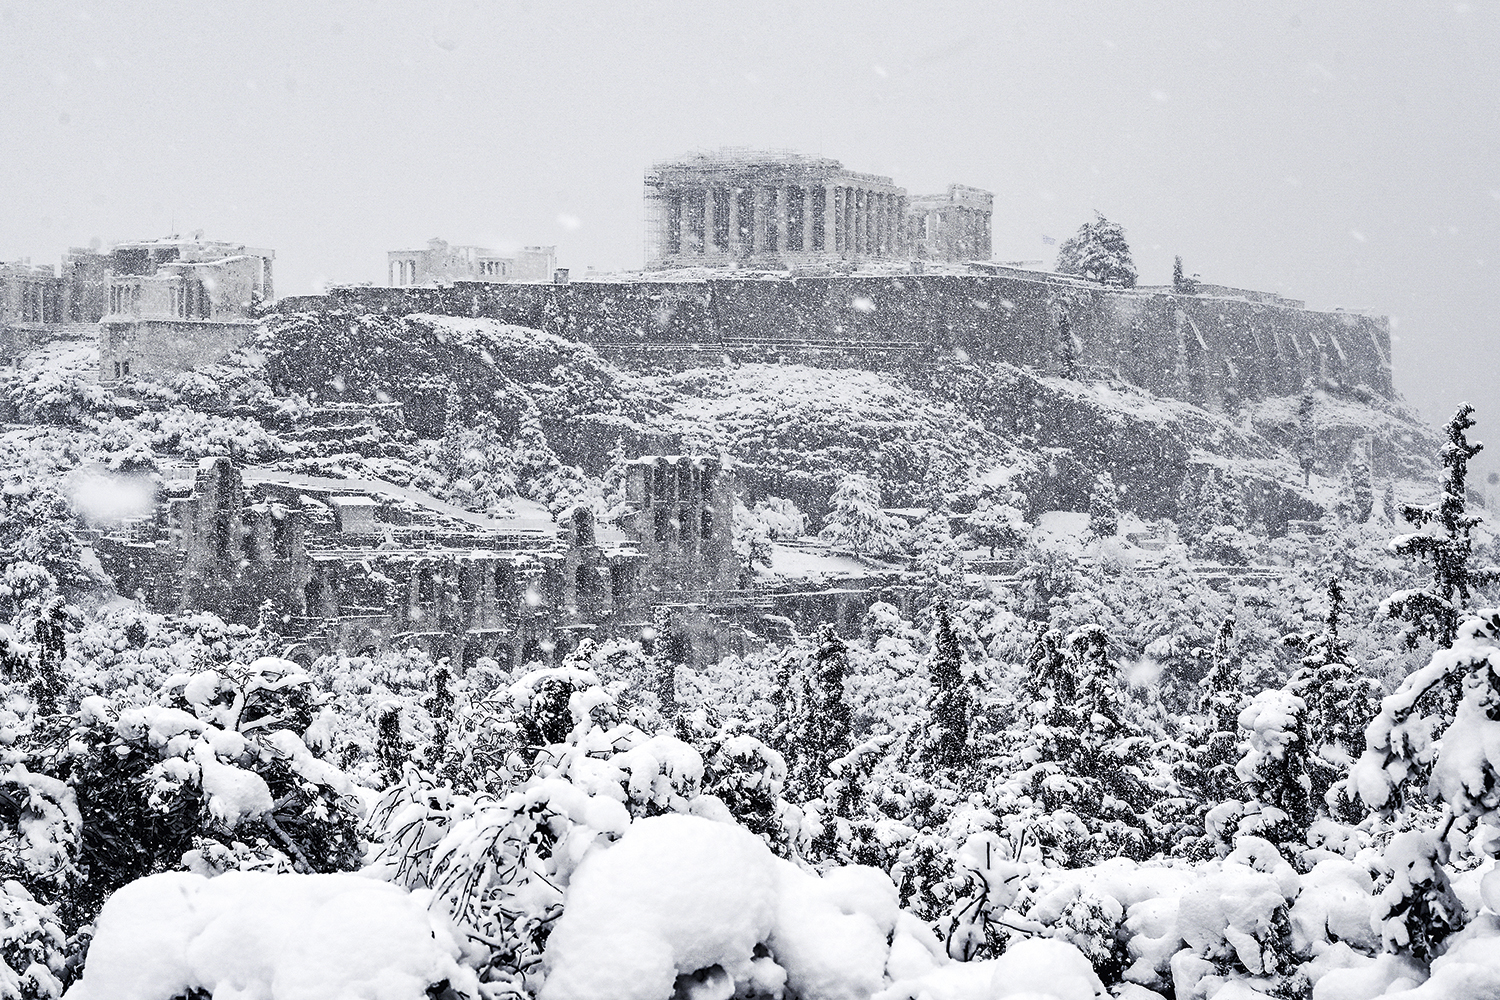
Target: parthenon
{"type": "Point", "coordinates": [738, 205]}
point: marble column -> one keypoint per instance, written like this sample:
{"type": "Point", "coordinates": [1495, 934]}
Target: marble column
{"type": "Point", "coordinates": [709, 243]}
{"type": "Point", "coordinates": [734, 223]}
{"type": "Point", "coordinates": [861, 230]}
{"type": "Point", "coordinates": [759, 228]}
{"type": "Point", "coordinates": [684, 223]}
{"type": "Point", "coordinates": [831, 227]}
{"type": "Point", "coordinates": [781, 219]}
{"type": "Point", "coordinates": [807, 219]}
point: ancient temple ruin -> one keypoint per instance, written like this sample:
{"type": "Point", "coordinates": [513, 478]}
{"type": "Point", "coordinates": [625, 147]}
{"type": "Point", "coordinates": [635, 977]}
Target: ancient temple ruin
{"type": "Point", "coordinates": [774, 209]}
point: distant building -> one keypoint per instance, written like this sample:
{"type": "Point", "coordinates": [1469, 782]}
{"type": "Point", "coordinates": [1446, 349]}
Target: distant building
{"type": "Point", "coordinates": [784, 208]}
{"type": "Point", "coordinates": [174, 304]}
{"type": "Point", "coordinates": [441, 264]}
{"type": "Point", "coordinates": [364, 564]}
{"type": "Point", "coordinates": [953, 226]}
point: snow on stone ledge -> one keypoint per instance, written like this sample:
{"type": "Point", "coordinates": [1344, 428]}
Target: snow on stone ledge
{"type": "Point", "coordinates": [258, 936]}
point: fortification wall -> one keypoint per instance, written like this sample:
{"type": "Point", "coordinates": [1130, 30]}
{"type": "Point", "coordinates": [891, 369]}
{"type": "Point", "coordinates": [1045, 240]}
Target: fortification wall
{"type": "Point", "coordinates": [1205, 349]}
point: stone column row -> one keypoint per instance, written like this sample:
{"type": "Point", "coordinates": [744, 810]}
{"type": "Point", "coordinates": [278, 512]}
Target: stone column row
{"type": "Point", "coordinates": [855, 221]}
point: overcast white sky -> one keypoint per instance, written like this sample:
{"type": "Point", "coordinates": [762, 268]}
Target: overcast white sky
{"type": "Point", "coordinates": [1345, 153]}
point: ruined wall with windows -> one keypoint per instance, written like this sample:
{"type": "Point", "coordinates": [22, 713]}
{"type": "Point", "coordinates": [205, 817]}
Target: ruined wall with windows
{"type": "Point", "coordinates": [681, 513]}
{"type": "Point", "coordinates": [321, 562]}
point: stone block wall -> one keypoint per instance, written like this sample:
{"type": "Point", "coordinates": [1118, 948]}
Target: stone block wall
{"type": "Point", "coordinates": [1204, 349]}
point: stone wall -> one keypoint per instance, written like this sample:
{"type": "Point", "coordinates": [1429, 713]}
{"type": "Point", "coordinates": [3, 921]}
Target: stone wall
{"type": "Point", "coordinates": [1205, 349]}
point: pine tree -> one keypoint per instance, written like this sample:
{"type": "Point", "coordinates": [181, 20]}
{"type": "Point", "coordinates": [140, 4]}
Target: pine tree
{"type": "Point", "coordinates": [1223, 699]}
{"type": "Point", "coordinates": [1388, 503]}
{"type": "Point", "coordinates": [1275, 768]}
{"type": "Point", "coordinates": [1104, 507]}
{"type": "Point", "coordinates": [1361, 490]}
{"type": "Point", "coordinates": [1099, 252]}
{"type": "Point", "coordinates": [855, 520]}
{"type": "Point", "coordinates": [440, 706]}
{"type": "Point", "coordinates": [1341, 699]}
{"type": "Point", "coordinates": [1181, 283]}
{"type": "Point", "coordinates": [820, 730]}
{"type": "Point", "coordinates": [1085, 763]}
{"type": "Point", "coordinates": [1443, 539]}
{"type": "Point", "coordinates": [1067, 347]}
{"type": "Point", "coordinates": [949, 707]}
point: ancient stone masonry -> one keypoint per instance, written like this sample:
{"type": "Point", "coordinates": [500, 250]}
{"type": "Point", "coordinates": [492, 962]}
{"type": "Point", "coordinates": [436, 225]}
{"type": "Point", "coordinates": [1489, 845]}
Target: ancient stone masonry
{"type": "Point", "coordinates": [1207, 349]}
{"type": "Point", "coordinates": [362, 564]}
{"type": "Point", "coordinates": [175, 304]}
{"type": "Point", "coordinates": [955, 225]}
{"type": "Point", "coordinates": [682, 511]}
{"type": "Point", "coordinates": [741, 206]}
{"type": "Point", "coordinates": [439, 263]}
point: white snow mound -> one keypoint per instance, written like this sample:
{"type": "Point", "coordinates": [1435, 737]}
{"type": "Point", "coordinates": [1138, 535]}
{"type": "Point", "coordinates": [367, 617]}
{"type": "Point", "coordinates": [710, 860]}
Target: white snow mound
{"type": "Point", "coordinates": [685, 903]}
{"type": "Point", "coordinates": [260, 936]}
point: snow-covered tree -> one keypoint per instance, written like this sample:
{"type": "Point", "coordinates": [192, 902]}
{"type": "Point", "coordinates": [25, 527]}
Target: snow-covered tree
{"type": "Point", "coordinates": [856, 523]}
{"type": "Point", "coordinates": [1104, 507]}
{"type": "Point", "coordinates": [1444, 540]}
{"type": "Point", "coordinates": [1307, 433]}
{"type": "Point", "coordinates": [1341, 699]}
{"type": "Point", "coordinates": [946, 747]}
{"type": "Point", "coordinates": [1099, 252]}
{"type": "Point", "coordinates": [1181, 283]}
{"type": "Point", "coordinates": [818, 731]}
{"type": "Point", "coordinates": [994, 524]}
{"type": "Point", "coordinates": [1420, 758]}
{"type": "Point", "coordinates": [1356, 491]}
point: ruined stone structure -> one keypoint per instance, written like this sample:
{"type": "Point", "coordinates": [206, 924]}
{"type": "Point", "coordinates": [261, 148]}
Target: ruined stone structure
{"type": "Point", "coordinates": [175, 304]}
{"type": "Point", "coordinates": [438, 263]}
{"type": "Point", "coordinates": [773, 209]}
{"type": "Point", "coordinates": [955, 225]}
{"type": "Point", "coordinates": [682, 511]}
{"type": "Point", "coordinates": [359, 564]}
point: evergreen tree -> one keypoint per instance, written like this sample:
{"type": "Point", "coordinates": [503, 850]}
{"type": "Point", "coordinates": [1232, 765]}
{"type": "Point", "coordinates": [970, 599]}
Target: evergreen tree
{"type": "Point", "coordinates": [1099, 252]}
{"type": "Point", "coordinates": [820, 730]}
{"type": "Point", "coordinates": [1223, 699]}
{"type": "Point", "coordinates": [994, 523]}
{"type": "Point", "coordinates": [450, 458]}
{"type": "Point", "coordinates": [1275, 768]}
{"type": "Point", "coordinates": [1084, 767]}
{"type": "Point", "coordinates": [1104, 507]}
{"type": "Point", "coordinates": [1341, 699]}
{"type": "Point", "coordinates": [949, 707]}
{"type": "Point", "coordinates": [855, 520]}
{"type": "Point", "coordinates": [1067, 347]}
{"type": "Point", "coordinates": [391, 747]}
{"type": "Point", "coordinates": [1181, 283]}
{"type": "Point", "coordinates": [1388, 503]}
{"type": "Point", "coordinates": [1307, 434]}
{"type": "Point", "coordinates": [440, 706]}
{"type": "Point", "coordinates": [1443, 539]}
{"type": "Point", "coordinates": [1361, 490]}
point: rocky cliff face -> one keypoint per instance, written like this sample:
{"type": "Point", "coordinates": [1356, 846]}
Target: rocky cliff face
{"type": "Point", "coordinates": [1217, 351]}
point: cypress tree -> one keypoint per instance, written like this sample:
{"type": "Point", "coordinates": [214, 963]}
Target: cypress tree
{"type": "Point", "coordinates": [951, 702]}
{"type": "Point", "coordinates": [1442, 539]}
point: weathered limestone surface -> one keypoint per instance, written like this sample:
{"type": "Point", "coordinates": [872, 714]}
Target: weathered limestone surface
{"type": "Point", "coordinates": [1208, 350]}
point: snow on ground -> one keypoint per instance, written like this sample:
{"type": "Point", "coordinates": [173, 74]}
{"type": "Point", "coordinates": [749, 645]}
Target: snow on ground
{"type": "Point", "coordinates": [703, 909]}
{"type": "Point", "coordinates": [809, 562]}
{"type": "Point", "coordinates": [258, 936]}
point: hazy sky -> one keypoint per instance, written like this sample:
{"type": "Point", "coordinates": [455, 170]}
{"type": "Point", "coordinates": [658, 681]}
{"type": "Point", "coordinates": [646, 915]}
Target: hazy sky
{"type": "Point", "coordinates": [1345, 153]}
